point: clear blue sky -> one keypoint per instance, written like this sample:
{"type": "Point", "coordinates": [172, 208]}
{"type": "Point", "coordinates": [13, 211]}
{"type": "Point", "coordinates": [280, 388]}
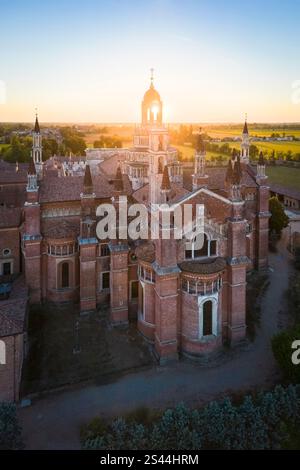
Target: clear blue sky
{"type": "Point", "coordinates": [89, 60]}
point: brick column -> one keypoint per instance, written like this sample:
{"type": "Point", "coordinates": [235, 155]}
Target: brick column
{"type": "Point", "coordinates": [262, 225]}
{"type": "Point", "coordinates": [237, 264]}
{"type": "Point", "coordinates": [119, 282]}
{"type": "Point", "coordinates": [88, 283]}
{"type": "Point", "coordinates": [32, 245]}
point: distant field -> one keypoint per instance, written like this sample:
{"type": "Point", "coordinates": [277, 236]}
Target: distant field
{"type": "Point", "coordinates": [289, 177]}
{"type": "Point", "coordinates": [228, 131]}
{"type": "Point", "coordinates": [189, 152]}
{"type": "Point", "coordinates": [294, 147]}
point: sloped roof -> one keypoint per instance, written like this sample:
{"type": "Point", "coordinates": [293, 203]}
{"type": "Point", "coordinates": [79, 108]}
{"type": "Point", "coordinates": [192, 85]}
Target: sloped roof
{"type": "Point", "coordinates": [69, 188]}
{"type": "Point", "coordinates": [207, 266]}
{"type": "Point", "coordinates": [57, 228]}
{"type": "Point", "coordinates": [10, 217]}
{"type": "Point", "coordinates": [13, 310]}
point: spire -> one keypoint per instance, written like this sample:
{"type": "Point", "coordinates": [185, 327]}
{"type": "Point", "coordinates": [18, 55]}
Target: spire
{"type": "Point", "coordinates": [229, 172]}
{"type": "Point", "coordinates": [234, 154]}
{"type": "Point", "coordinates": [165, 184]}
{"type": "Point", "coordinates": [87, 181]}
{"type": "Point", "coordinates": [31, 168]}
{"type": "Point", "coordinates": [261, 160]}
{"type": "Point", "coordinates": [118, 182]}
{"type": "Point", "coordinates": [200, 147]}
{"type": "Point", "coordinates": [237, 173]}
{"type": "Point", "coordinates": [245, 130]}
{"type": "Point", "coordinates": [36, 125]}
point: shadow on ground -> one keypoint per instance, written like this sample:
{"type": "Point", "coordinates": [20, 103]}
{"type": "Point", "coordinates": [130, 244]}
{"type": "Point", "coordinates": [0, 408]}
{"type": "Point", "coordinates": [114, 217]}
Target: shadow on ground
{"type": "Point", "coordinates": [53, 359]}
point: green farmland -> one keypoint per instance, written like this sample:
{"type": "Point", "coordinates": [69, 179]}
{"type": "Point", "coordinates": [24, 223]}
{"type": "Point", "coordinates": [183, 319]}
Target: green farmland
{"type": "Point", "coordinates": [285, 176]}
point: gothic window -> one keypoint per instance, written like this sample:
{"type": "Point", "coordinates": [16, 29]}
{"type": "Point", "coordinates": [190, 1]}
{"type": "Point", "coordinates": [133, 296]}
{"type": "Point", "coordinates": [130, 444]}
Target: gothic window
{"type": "Point", "coordinates": [65, 275]}
{"type": "Point", "coordinates": [2, 353]}
{"type": "Point", "coordinates": [6, 269]}
{"type": "Point", "coordinates": [207, 318]}
{"type": "Point", "coordinates": [105, 284]}
{"type": "Point", "coordinates": [104, 249]}
{"type": "Point", "coordinates": [213, 247]}
{"type": "Point", "coordinates": [142, 299]}
{"type": "Point", "coordinates": [134, 289]}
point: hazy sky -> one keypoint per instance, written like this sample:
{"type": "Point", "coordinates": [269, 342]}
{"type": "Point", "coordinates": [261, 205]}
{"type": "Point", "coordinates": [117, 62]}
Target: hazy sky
{"type": "Point", "coordinates": [89, 60]}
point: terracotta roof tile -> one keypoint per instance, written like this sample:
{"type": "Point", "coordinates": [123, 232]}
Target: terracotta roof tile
{"type": "Point", "coordinates": [207, 266]}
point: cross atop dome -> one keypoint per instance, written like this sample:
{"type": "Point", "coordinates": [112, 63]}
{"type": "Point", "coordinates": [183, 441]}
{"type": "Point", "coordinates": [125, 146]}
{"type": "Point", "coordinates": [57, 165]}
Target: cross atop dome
{"type": "Point", "coordinates": [151, 76]}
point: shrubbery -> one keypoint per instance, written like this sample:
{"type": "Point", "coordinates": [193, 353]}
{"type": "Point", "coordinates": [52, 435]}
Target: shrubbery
{"type": "Point", "coordinates": [10, 430]}
{"type": "Point", "coordinates": [262, 422]}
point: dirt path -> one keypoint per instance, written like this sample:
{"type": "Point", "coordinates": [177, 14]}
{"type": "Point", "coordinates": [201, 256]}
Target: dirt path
{"type": "Point", "coordinates": [53, 422]}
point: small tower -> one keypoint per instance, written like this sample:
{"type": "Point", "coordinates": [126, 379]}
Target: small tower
{"type": "Point", "coordinates": [245, 145]}
{"type": "Point", "coordinates": [32, 185]}
{"type": "Point", "coordinates": [119, 256]}
{"type": "Point", "coordinates": [263, 213]}
{"type": "Point", "coordinates": [32, 236]}
{"type": "Point", "coordinates": [200, 179]}
{"type": "Point", "coordinates": [88, 245]}
{"type": "Point", "coordinates": [261, 167]}
{"type": "Point", "coordinates": [37, 148]}
{"type": "Point", "coordinates": [233, 177]}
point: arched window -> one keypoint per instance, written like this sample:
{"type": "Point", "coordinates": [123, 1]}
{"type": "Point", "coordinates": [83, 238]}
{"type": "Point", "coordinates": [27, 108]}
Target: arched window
{"type": "Point", "coordinates": [65, 275]}
{"type": "Point", "coordinates": [204, 247]}
{"type": "Point", "coordinates": [2, 353]}
{"type": "Point", "coordinates": [207, 318]}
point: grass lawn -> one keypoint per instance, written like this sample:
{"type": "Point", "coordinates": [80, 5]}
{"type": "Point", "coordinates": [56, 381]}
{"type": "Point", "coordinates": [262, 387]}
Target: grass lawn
{"type": "Point", "coordinates": [289, 177]}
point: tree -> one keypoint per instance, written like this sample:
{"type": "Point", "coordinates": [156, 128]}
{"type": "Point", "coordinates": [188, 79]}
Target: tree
{"type": "Point", "coordinates": [282, 350]}
{"type": "Point", "coordinates": [10, 430]}
{"type": "Point", "coordinates": [278, 220]}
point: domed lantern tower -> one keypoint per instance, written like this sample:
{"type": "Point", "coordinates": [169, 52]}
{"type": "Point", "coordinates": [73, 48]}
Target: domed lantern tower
{"type": "Point", "coordinates": [151, 106]}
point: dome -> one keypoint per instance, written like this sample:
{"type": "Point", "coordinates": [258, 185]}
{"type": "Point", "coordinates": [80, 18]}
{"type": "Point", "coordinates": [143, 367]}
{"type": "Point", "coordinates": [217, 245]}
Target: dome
{"type": "Point", "coordinates": [151, 94]}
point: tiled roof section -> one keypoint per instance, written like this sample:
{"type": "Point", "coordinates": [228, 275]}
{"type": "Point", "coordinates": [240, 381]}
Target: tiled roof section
{"type": "Point", "coordinates": [217, 176]}
{"type": "Point", "coordinates": [109, 165]}
{"type": "Point", "coordinates": [289, 192]}
{"type": "Point", "coordinates": [207, 266]}
{"type": "Point", "coordinates": [9, 175]}
{"type": "Point", "coordinates": [69, 188]}
{"type": "Point", "coordinates": [13, 310]}
{"type": "Point", "coordinates": [146, 252]}
{"type": "Point", "coordinates": [61, 228]}
{"type": "Point", "coordinates": [10, 217]}
{"type": "Point", "coordinates": [176, 193]}
{"type": "Point", "coordinates": [13, 196]}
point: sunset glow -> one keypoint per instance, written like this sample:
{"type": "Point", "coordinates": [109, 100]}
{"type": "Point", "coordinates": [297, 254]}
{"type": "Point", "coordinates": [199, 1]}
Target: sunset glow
{"type": "Point", "coordinates": [90, 61]}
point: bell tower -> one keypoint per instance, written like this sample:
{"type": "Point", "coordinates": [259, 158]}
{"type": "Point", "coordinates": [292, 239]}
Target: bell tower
{"type": "Point", "coordinates": [151, 106]}
{"type": "Point", "coordinates": [37, 148]}
{"type": "Point", "coordinates": [245, 145]}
